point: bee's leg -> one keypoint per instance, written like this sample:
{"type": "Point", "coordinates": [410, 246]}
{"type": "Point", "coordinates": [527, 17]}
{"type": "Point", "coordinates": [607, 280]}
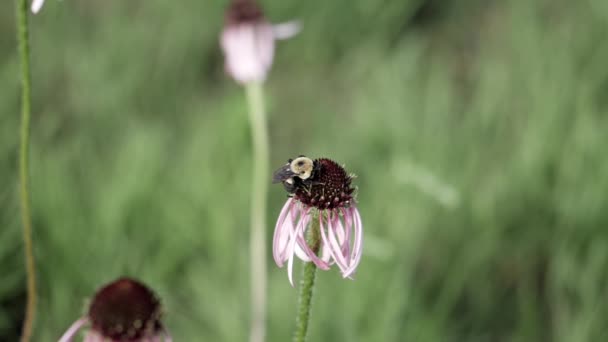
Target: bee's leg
{"type": "Point", "coordinates": [315, 183]}
{"type": "Point", "coordinates": [309, 184]}
{"type": "Point", "coordinates": [307, 188]}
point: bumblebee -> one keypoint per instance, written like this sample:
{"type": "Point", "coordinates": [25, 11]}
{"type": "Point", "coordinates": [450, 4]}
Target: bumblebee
{"type": "Point", "coordinates": [321, 183]}
{"type": "Point", "coordinates": [297, 173]}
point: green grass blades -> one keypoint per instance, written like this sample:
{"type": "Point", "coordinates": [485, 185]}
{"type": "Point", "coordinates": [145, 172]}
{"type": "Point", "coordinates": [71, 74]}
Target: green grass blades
{"type": "Point", "coordinates": [477, 131]}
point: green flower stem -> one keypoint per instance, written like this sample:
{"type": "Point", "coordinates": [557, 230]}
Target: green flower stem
{"type": "Point", "coordinates": [260, 177]}
{"type": "Point", "coordinates": [307, 284]}
{"type": "Point", "coordinates": [24, 191]}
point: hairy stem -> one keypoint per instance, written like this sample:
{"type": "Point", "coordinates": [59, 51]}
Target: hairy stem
{"type": "Point", "coordinates": [260, 177]}
{"type": "Point", "coordinates": [24, 191]}
{"type": "Point", "coordinates": [307, 284]}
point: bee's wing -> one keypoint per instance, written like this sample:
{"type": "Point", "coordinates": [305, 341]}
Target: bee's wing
{"type": "Point", "coordinates": [282, 173]}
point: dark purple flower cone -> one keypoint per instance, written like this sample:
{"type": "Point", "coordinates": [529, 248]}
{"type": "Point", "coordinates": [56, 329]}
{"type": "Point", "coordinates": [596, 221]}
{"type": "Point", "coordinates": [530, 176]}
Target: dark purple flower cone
{"type": "Point", "coordinates": [330, 189]}
{"type": "Point", "coordinates": [243, 12]}
{"type": "Point", "coordinates": [125, 310]}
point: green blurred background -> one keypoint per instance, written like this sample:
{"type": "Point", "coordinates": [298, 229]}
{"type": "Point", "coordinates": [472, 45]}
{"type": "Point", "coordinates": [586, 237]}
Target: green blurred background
{"type": "Point", "coordinates": [478, 130]}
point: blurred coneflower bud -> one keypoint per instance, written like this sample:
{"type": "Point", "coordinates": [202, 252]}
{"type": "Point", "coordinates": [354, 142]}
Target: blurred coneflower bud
{"type": "Point", "coordinates": [248, 41]}
{"type": "Point", "coordinates": [124, 310]}
{"type": "Point", "coordinates": [319, 189]}
{"type": "Point", "coordinates": [37, 5]}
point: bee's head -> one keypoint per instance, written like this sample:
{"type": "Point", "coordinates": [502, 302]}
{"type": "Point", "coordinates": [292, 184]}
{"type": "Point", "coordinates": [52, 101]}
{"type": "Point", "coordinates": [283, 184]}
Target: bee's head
{"type": "Point", "coordinates": [300, 167]}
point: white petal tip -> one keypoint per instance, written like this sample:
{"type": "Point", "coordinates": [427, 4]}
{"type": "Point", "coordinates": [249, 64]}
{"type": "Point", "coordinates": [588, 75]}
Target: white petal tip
{"type": "Point", "coordinates": [350, 276]}
{"type": "Point", "coordinates": [36, 6]}
{"type": "Point", "coordinates": [286, 30]}
{"type": "Point", "coordinates": [291, 282]}
{"type": "Point", "coordinates": [73, 329]}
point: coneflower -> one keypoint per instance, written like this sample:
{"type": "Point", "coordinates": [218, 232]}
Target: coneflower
{"type": "Point", "coordinates": [319, 190]}
{"type": "Point", "coordinates": [248, 41]}
{"type": "Point", "coordinates": [319, 223]}
{"type": "Point", "coordinates": [122, 311]}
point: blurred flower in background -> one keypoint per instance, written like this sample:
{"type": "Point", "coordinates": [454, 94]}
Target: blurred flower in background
{"type": "Point", "coordinates": [37, 5]}
{"type": "Point", "coordinates": [320, 190]}
{"type": "Point", "coordinates": [248, 41]}
{"type": "Point", "coordinates": [477, 129]}
{"type": "Point", "coordinates": [248, 44]}
{"type": "Point", "coordinates": [124, 310]}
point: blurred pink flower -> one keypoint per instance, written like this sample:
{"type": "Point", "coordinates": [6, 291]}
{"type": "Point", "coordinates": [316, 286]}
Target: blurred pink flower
{"type": "Point", "coordinates": [37, 5]}
{"type": "Point", "coordinates": [248, 41]}
{"type": "Point", "coordinates": [124, 310]}
{"type": "Point", "coordinates": [324, 193]}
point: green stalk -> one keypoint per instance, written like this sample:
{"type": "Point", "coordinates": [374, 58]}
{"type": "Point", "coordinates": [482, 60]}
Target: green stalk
{"type": "Point", "coordinates": [260, 177]}
{"type": "Point", "coordinates": [24, 191]}
{"type": "Point", "coordinates": [307, 284]}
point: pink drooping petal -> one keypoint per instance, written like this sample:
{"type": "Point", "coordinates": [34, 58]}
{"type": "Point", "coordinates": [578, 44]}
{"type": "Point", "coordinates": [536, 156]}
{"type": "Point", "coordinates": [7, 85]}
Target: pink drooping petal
{"type": "Point", "coordinates": [348, 223]}
{"type": "Point", "coordinates": [322, 264]}
{"type": "Point", "coordinates": [301, 245]}
{"type": "Point", "coordinates": [249, 51]}
{"type": "Point", "coordinates": [343, 235]}
{"type": "Point", "coordinates": [357, 252]}
{"type": "Point", "coordinates": [336, 254]}
{"type": "Point", "coordinates": [167, 335]}
{"type": "Point", "coordinates": [348, 251]}
{"type": "Point", "coordinates": [338, 228]}
{"type": "Point", "coordinates": [265, 45]}
{"type": "Point", "coordinates": [155, 338]}
{"type": "Point", "coordinates": [162, 337]}
{"type": "Point", "coordinates": [358, 245]}
{"type": "Point", "coordinates": [281, 232]}
{"type": "Point", "coordinates": [296, 214]}
{"type": "Point", "coordinates": [289, 227]}
{"type": "Point", "coordinates": [92, 336]}
{"type": "Point", "coordinates": [326, 254]}
{"type": "Point", "coordinates": [37, 5]}
{"type": "Point", "coordinates": [280, 248]}
{"type": "Point", "coordinates": [300, 253]}
{"type": "Point", "coordinates": [326, 245]}
{"type": "Point", "coordinates": [292, 243]}
{"type": "Point", "coordinates": [342, 260]}
{"type": "Point", "coordinates": [342, 232]}
{"type": "Point", "coordinates": [290, 268]}
{"type": "Point", "coordinates": [286, 30]}
{"type": "Point", "coordinates": [310, 254]}
{"type": "Point", "coordinates": [73, 329]}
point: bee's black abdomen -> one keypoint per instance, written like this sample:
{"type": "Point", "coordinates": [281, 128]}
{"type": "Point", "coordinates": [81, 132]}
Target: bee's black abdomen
{"type": "Point", "coordinates": [328, 188]}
